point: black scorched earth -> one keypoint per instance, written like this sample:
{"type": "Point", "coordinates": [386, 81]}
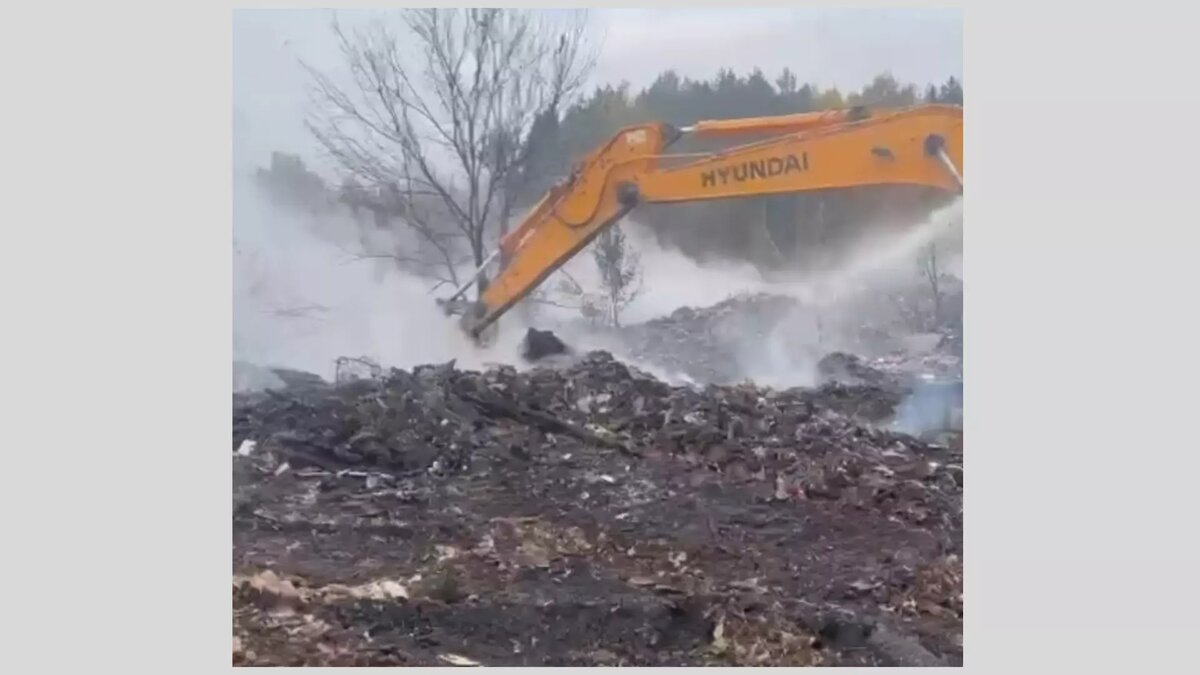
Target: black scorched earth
{"type": "Point", "coordinates": [587, 514]}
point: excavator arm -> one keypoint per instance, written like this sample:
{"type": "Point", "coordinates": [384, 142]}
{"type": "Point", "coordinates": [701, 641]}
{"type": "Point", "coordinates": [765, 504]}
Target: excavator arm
{"type": "Point", "coordinates": [919, 146]}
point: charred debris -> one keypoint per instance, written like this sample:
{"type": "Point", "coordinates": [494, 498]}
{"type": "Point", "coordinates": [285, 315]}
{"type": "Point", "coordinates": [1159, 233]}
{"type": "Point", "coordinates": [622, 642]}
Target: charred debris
{"type": "Point", "coordinates": [588, 513]}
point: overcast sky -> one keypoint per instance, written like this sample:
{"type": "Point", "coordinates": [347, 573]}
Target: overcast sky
{"type": "Point", "coordinates": [844, 47]}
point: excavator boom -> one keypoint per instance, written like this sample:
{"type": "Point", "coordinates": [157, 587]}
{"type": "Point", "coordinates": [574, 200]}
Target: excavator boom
{"type": "Point", "coordinates": [919, 146]}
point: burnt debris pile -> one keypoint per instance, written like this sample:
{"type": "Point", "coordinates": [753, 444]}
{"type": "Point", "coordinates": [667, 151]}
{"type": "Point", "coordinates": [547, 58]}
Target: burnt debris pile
{"type": "Point", "coordinates": [440, 515]}
{"type": "Point", "coordinates": [764, 336]}
{"type": "Point", "coordinates": [705, 343]}
{"type": "Point", "coordinates": [719, 343]}
{"type": "Point", "coordinates": [441, 419]}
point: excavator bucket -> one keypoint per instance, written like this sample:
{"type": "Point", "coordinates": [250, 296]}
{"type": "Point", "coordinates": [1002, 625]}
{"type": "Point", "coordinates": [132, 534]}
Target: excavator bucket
{"type": "Point", "coordinates": [536, 346]}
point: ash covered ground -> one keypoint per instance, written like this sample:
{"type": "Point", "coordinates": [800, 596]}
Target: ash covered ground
{"type": "Point", "coordinates": [588, 512]}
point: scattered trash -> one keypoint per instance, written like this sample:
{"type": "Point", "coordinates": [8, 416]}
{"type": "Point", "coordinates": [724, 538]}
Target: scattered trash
{"type": "Point", "coordinates": [587, 513]}
{"type": "Point", "coordinates": [376, 590]}
{"type": "Point", "coordinates": [270, 591]}
{"type": "Point", "coordinates": [719, 645]}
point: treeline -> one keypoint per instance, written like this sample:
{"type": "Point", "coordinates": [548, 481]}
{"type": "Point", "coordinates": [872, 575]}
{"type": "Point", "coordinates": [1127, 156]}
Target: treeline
{"type": "Point", "coordinates": [776, 231]}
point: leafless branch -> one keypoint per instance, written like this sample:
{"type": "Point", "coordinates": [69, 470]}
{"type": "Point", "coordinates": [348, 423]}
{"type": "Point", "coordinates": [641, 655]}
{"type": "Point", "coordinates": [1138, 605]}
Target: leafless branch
{"type": "Point", "coordinates": [438, 106]}
{"type": "Point", "coordinates": [932, 273]}
{"type": "Point", "coordinates": [620, 271]}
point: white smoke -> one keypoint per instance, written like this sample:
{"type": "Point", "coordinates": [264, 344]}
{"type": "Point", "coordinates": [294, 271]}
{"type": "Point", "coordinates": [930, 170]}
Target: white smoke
{"type": "Point", "coordinates": [302, 299]}
{"type": "Point", "coordinates": [887, 260]}
{"type": "Point", "coordinates": [830, 306]}
{"type": "Point", "coordinates": [835, 305]}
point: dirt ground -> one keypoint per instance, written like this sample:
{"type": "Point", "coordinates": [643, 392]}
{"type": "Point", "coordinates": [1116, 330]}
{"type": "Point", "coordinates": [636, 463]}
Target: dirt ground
{"type": "Point", "coordinates": [586, 515]}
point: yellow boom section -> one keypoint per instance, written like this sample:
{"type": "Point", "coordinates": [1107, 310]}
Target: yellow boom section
{"type": "Point", "coordinates": [817, 151]}
{"type": "Point", "coordinates": [779, 124]}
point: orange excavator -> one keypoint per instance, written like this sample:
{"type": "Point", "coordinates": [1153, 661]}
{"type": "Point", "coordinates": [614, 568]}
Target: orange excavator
{"type": "Point", "coordinates": [844, 148]}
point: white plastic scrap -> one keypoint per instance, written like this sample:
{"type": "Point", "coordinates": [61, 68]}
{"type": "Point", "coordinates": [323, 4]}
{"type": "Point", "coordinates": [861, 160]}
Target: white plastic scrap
{"type": "Point", "coordinates": [456, 660]}
{"type": "Point", "coordinates": [246, 447]}
{"type": "Point", "coordinates": [387, 589]}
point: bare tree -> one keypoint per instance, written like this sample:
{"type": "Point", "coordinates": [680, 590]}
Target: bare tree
{"type": "Point", "coordinates": [440, 106]}
{"type": "Point", "coordinates": [620, 271]}
{"type": "Point", "coordinates": [929, 268]}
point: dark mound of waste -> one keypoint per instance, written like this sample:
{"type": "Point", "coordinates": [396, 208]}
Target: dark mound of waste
{"type": "Point", "coordinates": [851, 370]}
{"type": "Point", "coordinates": [866, 403]}
{"type": "Point", "coordinates": [715, 345]}
{"type": "Point", "coordinates": [852, 387]}
{"type": "Point", "coordinates": [439, 417]}
{"type": "Point", "coordinates": [705, 343]}
{"type": "Point", "coordinates": [586, 515]}
{"type": "Point", "coordinates": [722, 343]}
